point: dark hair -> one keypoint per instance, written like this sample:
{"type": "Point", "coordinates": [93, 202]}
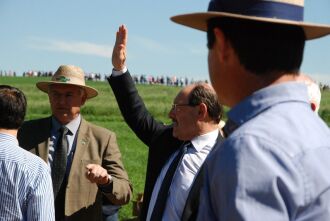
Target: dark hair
{"type": "Point", "coordinates": [12, 107]}
{"type": "Point", "coordinates": [262, 47]}
{"type": "Point", "coordinates": [202, 94]}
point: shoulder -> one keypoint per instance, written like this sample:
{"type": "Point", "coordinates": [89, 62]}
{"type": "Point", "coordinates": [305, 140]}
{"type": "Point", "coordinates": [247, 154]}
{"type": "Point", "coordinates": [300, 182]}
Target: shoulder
{"type": "Point", "coordinates": [36, 123]}
{"type": "Point", "coordinates": [37, 172]}
{"type": "Point", "coordinates": [28, 162]}
{"type": "Point", "coordinates": [32, 131]}
{"type": "Point", "coordinates": [35, 161]}
{"type": "Point", "coordinates": [95, 130]}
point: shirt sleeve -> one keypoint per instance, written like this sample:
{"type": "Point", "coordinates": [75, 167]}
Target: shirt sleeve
{"type": "Point", "coordinates": [119, 190]}
{"type": "Point", "coordinates": [40, 205]}
{"type": "Point", "coordinates": [248, 179]}
{"type": "Point", "coordinates": [120, 72]}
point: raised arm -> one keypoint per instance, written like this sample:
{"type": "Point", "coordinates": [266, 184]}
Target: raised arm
{"type": "Point", "coordinates": [130, 103]}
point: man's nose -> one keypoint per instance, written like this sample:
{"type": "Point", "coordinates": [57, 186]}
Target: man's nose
{"type": "Point", "coordinates": [171, 113]}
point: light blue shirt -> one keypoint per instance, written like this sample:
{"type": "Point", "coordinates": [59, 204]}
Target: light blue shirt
{"type": "Point", "coordinates": [26, 191]}
{"type": "Point", "coordinates": [275, 165]}
{"type": "Point", "coordinates": [73, 127]}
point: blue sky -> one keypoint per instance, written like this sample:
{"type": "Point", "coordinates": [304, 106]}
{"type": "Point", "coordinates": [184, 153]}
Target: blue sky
{"type": "Point", "coordinates": [41, 35]}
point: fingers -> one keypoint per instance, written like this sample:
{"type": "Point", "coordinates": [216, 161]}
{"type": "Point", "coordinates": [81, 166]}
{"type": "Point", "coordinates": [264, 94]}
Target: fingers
{"type": "Point", "coordinates": [122, 36]}
{"type": "Point", "coordinates": [97, 174]}
{"type": "Point", "coordinates": [119, 50]}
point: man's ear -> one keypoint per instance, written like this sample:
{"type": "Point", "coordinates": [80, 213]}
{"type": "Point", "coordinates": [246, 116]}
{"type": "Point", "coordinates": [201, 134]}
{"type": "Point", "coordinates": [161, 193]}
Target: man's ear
{"type": "Point", "coordinates": [83, 99]}
{"type": "Point", "coordinates": [221, 44]}
{"type": "Point", "coordinates": [202, 112]}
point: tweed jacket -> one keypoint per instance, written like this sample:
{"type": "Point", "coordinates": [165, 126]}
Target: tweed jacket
{"type": "Point", "coordinates": [97, 145]}
{"type": "Point", "coordinates": [157, 136]}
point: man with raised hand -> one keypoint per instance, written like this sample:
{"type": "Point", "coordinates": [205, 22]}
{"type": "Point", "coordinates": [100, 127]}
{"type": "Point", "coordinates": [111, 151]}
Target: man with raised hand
{"type": "Point", "coordinates": [172, 184]}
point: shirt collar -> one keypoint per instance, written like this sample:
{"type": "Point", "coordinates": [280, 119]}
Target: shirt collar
{"type": "Point", "coordinates": [207, 139]}
{"type": "Point", "coordinates": [266, 98]}
{"type": "Point", "coordinates": [73, 125]}
{"type": "Point", "coordinates": [8, 137]}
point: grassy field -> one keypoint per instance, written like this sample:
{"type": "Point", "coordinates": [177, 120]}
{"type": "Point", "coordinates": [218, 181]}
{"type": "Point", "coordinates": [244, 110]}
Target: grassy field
{"type": "Point", "coordinates": [103, 111]}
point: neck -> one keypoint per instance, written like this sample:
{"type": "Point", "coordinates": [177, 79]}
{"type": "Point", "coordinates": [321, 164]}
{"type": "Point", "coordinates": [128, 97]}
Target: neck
{"type": "Point", "coordinates": [253, 83]}
{"type": "Point", "coordinates": [207, 127]}
{"type": "Point", "coordinates": [9, 131]}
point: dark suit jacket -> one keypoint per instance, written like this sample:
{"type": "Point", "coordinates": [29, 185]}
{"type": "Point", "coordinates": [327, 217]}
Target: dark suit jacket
{"type": "Point", "coordinates": [157, 136]}
{"type": "Point", "coordinates": [83, 200]}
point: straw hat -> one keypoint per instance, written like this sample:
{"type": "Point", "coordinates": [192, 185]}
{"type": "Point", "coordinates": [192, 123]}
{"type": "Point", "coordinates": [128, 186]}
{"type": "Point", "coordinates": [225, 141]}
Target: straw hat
{"type": "Point", "coordinates": [68, 75]}
{"type": "Point", "coordinates": [287, 12]}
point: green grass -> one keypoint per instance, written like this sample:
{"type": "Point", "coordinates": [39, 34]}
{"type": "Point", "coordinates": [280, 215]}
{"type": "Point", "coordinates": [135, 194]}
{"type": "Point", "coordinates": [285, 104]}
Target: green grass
{"type": "Point", "coordinates": [103, 111]}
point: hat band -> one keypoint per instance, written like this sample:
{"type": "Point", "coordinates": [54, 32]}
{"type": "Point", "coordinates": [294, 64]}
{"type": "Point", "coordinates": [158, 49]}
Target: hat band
{"type": "Point", "coordinates": [268, 9]}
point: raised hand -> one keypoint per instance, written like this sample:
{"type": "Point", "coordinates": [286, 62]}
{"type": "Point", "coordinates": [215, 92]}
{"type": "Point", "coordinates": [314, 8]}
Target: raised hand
{"type": "Point", "coordinates": [119, 50]}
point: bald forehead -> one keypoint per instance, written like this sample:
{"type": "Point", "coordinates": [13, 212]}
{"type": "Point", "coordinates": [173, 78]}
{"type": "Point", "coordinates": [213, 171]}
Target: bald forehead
{"type": "Point", "coordinates": [185, 92]}
{"type": "Point", "coordinates": [190, 87]}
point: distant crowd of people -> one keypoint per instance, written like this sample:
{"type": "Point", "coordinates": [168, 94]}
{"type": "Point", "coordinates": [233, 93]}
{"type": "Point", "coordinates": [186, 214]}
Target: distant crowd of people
{"type": "Point", "coordinates": [138, 79]}
{"type": "Point", "coordinates": [168, 80]}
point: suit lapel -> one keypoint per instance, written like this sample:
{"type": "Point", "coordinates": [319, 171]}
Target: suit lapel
{"type": "Point", "coordinates": [43, 149]}
{"type": "Point", "coordinates": [81, 145]}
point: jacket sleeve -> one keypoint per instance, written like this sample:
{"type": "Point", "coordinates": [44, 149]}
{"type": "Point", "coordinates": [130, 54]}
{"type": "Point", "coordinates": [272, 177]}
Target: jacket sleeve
{"type": "Point", "coordinates": [120, 188]}
{"type": "Point", "coordinates": [133, 109]}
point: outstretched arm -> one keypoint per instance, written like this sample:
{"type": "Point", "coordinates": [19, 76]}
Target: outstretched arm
{"type": "Point", "coordinates": [130, 103]}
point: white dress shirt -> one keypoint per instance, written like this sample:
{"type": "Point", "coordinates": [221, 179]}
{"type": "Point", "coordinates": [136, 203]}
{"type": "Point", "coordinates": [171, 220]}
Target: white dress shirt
{"type": "Point", "coordinates": [183, 177]}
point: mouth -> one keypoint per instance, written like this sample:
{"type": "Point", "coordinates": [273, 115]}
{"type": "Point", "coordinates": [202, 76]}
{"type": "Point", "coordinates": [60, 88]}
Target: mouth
{"type": "Point", "coordinates": [62, 109]}
{"type": "Point", "coordinates": [61, 112]}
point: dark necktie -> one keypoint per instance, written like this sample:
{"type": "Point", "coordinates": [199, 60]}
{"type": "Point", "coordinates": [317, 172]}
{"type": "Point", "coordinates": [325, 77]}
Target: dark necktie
{"type": "Point", "coordinates": [159, 207]}
{"type": "Point", "coordinates": [59, 161]}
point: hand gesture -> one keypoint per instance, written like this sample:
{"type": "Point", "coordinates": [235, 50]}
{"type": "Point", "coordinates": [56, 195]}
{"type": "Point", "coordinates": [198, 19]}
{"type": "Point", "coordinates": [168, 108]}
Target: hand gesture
{"type": "Point", "coordinates": [119, 50]}
{"type": "Point", "coordinates": [97, 174]}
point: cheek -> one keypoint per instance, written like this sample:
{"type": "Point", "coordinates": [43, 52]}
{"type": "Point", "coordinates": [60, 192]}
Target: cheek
{"type": "Point", "coordinates": [77, 101]}
{"type": "Point", "coordinates": [75, 110]}
{"type": "Point", "coordinates": [212, 67]}
{"type": "Point", "coordinates": [214, 72]}
{"type": "Point", "coordinates": [182, 121]}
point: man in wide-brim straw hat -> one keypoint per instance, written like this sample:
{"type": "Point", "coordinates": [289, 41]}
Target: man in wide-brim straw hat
{"type": "Point", "coordinates": [68, 75]}
{"type": "Point", "coordinates": [84, 159]}
{"type": "Point", "coordinates": [274, 164]}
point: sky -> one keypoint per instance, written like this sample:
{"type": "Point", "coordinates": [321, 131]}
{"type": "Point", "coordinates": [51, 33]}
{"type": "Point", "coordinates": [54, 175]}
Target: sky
{"type": "Point", "coordinates": [42, 35]}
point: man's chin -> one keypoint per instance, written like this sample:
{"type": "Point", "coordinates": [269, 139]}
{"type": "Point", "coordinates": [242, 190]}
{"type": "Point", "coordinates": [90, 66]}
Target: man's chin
{"type": "Point", "coordinates": [63, 119]}
{"type": "Point", "coordinates": [175, 134]}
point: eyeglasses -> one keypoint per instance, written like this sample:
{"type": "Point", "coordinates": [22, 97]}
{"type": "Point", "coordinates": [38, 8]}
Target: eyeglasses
{"type": "Point", "coordinates": [175, 106]}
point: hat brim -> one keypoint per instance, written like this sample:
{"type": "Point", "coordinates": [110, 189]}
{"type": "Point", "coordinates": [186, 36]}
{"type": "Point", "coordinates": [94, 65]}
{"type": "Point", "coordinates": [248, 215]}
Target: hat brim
{"type": "Point", "coordinates": [44, 85]}
{"type": "Point", "coordinates": [199, 21]}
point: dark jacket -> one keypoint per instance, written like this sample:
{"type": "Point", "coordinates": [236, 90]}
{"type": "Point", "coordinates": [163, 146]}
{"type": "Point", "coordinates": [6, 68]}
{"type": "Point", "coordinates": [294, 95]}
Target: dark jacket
{"type": "Point", "coordinates": [157, 136]}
